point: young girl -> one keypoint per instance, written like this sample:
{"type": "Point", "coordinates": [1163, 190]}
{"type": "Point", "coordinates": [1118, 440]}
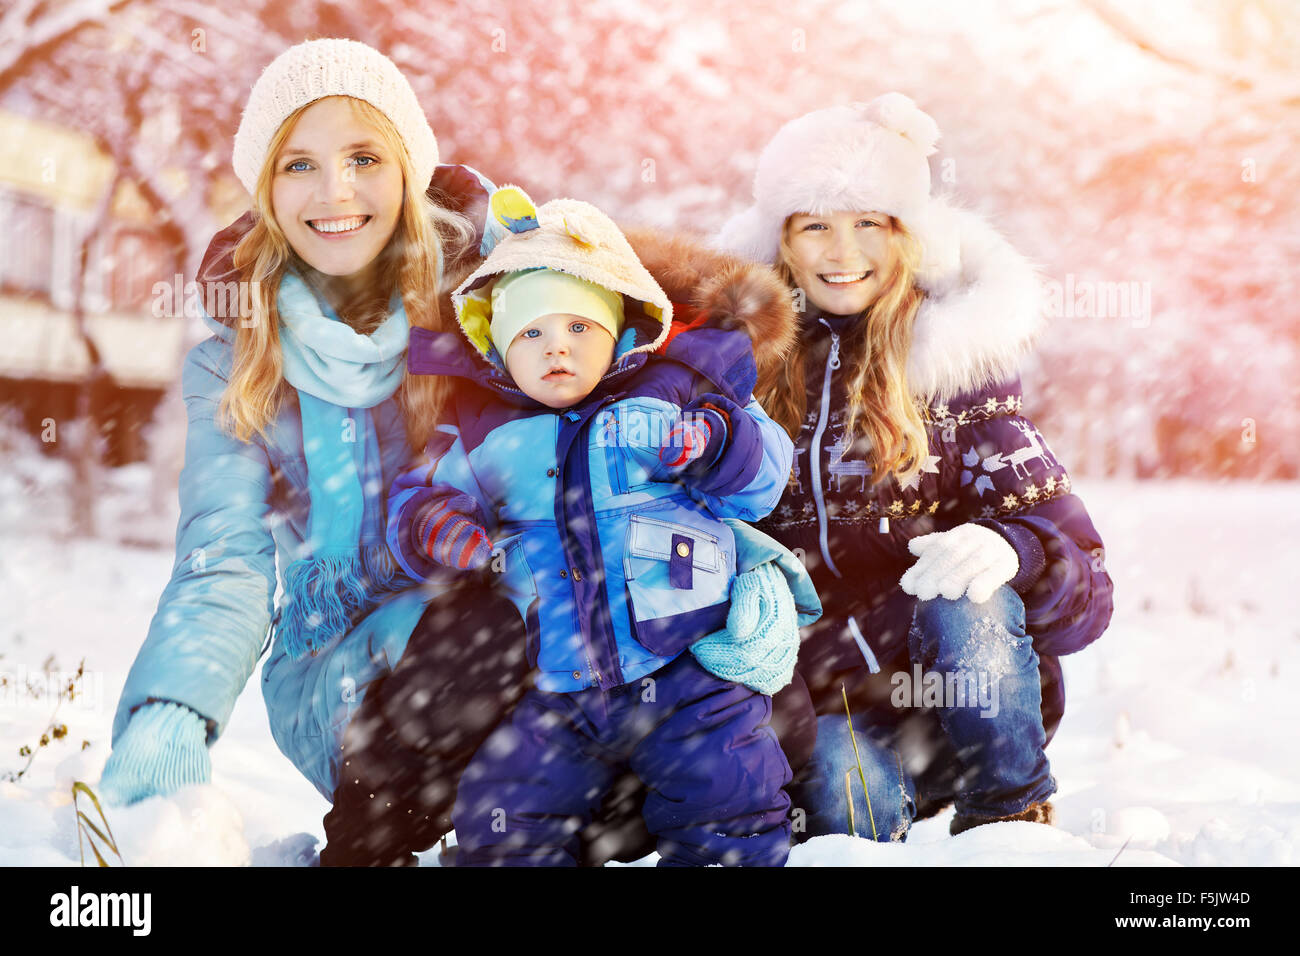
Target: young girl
{"type": "Point", "coordinates": [300, 416]}
{"type": "Point", "coordinates": [953, 562]}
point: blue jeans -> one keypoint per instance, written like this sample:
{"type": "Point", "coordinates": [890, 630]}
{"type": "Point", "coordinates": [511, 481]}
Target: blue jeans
{"type": "Point", "coordinates": [973, 668]}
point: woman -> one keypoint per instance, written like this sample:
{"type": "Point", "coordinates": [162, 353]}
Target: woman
{"type": "Point", "coordinates": [904, 403]}
{"type": "Point", "coordinates": [300, 417]}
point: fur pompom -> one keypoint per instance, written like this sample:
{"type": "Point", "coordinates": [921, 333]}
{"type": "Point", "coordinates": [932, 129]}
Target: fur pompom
{"type": "Point", "coordinates": [897, 112]}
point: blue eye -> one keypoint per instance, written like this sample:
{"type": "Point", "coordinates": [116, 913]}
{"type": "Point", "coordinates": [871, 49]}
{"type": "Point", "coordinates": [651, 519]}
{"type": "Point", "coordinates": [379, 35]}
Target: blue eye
{"type": "Point", "coordinates": [813, 225]}
{"type": "Point", "coordinates": [868, 222]}
{"type": "Point", "coordinates": [577, 327]}
{"type": "Point", "coordinates": [531, 333]}
{"type": "Point", "coordinates": [296, 163]}
{"type": "Point", "coordinates": [363, 161]}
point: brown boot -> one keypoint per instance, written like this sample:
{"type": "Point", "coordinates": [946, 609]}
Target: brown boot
{"type": "Point", "coordinates": [1034, 813]}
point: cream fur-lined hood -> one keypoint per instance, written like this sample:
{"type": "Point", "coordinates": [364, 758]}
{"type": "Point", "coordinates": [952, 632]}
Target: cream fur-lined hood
{"type": "Point", "coordinates": [568, 236]}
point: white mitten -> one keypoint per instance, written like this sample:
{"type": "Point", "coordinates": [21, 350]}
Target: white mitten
{"type": "Point", "coordinates": [969, 559]}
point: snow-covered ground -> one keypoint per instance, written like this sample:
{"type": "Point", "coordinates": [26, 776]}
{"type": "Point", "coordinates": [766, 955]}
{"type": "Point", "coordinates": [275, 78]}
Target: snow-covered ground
{"type": "Point", "coordinates": [1179, 743]}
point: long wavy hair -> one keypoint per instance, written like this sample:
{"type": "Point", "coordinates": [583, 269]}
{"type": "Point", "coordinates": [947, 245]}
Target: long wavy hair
{"type": "Point", "coordinates": [409, 263]}
{"type": "Point", "coordinates": [874, 351]}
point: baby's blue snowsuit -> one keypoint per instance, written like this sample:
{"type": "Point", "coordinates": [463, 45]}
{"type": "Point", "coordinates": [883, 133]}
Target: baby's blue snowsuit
{"type": "Point", "coordinates": [617, 569]}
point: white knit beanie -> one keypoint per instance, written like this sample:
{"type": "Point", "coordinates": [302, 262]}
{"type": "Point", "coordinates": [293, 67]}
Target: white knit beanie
{"type": "Point", "coordinates": [310, 71]}
{"type": "Point", "coordinates": [864, 157]}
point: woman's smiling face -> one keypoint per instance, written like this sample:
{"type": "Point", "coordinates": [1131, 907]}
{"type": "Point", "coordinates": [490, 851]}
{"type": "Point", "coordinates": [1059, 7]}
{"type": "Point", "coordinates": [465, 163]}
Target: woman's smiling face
{"type": "Point", "coordinates": [840, 260]}
{"type": "Point", "coordinates": [336, 191]}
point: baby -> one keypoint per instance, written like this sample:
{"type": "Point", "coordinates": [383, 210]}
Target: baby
{"type": "Point", "coordinates": [591, 469]}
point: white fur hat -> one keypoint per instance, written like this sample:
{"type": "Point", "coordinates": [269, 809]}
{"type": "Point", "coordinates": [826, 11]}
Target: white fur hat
{"type": "Point", "coordinates": [313, 70]}
{"type": "Point", "coordinates": [868, 156]}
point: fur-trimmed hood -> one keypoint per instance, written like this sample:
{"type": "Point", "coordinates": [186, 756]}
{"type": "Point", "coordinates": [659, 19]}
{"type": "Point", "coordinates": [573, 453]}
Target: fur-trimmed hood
{"type": "Point", "coordinates": [982, 311]}
{"type": "Point", "coordinates": [722, 289]}
{"type": "Point", "coordinates": [983, 306]}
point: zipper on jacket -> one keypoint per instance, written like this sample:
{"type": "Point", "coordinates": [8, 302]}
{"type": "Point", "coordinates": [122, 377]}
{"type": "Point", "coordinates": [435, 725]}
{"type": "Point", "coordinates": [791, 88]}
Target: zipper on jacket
{"type": "Point", "coordinates": [832, 363]}
{"type": "Point", "coordinates": [580, 450]}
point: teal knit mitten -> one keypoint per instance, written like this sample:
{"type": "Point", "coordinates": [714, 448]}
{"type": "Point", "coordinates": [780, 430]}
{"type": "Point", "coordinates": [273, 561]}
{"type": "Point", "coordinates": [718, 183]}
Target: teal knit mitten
{"type": "Point", "coordinates": [163, 748]}
{"type": "Point", "coordinates": [761, 641]}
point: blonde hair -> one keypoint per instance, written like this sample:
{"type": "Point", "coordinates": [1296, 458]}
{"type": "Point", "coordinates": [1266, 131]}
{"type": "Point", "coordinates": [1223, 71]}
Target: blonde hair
{"type": "Point", "coordinates": [409, 264]}
{"type": "Point", "coordinates": [874, 352]}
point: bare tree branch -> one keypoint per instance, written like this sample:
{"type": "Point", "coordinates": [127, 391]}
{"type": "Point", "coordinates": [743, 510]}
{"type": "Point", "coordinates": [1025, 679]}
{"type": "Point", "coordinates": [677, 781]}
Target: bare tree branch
{"type": "Point", "coordinates": [1232, 74]}
{"type": "Point", "coordinates": [30, 42]}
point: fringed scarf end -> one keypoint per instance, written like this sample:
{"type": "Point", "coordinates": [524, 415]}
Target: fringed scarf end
{"type": "Point", "coordinates": [325, 594]}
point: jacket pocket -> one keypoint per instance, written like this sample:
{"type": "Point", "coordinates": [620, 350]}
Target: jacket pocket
{"type": "Point", "coordinates": [625, 439]}
{"type": "Point", "coordinates": [617, 470]}
{"type": "Point", "coordinates": [678, 580]}
{"type": "Point", "coordinates": [511, 560]}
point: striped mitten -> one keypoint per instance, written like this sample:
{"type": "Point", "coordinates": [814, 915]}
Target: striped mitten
{"type": "Point", "coordinates": [701, 434]}
{"type": "Point", "coordinates": [446, 532]}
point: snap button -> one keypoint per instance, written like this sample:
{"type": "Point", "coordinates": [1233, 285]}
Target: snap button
{"type": "Point", "coordinates": [550, 472]}
{"type": "Point", "coordinates": [682, 549]}
{"type": "Point", "coordinates": [577, 675]}
{"type": "Point", "coordinates": [564, 574]}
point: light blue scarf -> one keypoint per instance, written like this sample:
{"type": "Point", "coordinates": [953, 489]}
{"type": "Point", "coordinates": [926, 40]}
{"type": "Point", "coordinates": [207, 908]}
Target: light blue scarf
{"type": "Point", "coordinates": [339, 375]}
